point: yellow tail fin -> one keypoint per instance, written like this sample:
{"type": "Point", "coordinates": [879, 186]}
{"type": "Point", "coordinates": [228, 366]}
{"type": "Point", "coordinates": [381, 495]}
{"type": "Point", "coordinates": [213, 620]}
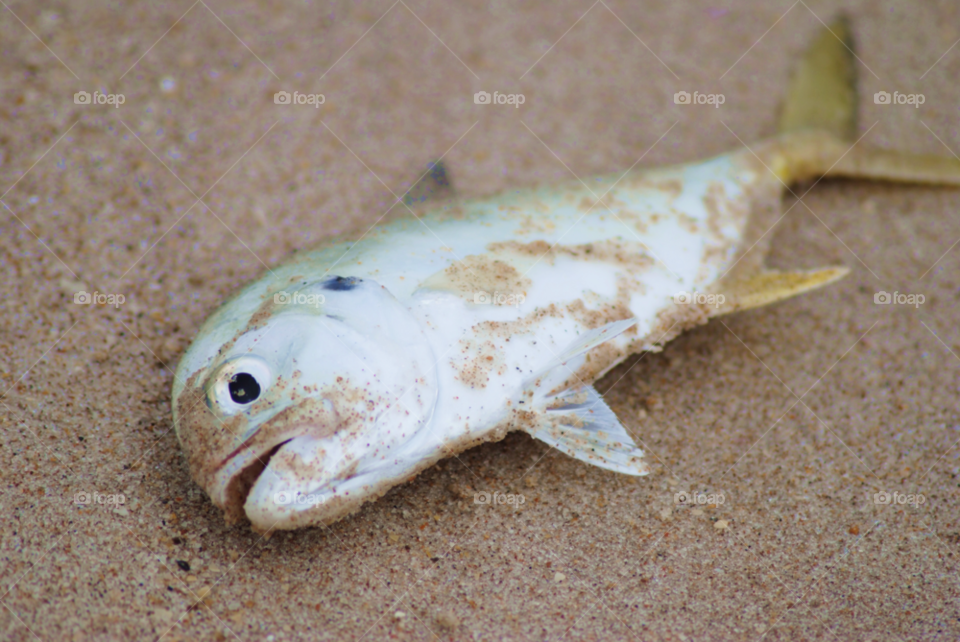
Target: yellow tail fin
{"type": "Point", "coordinates": [818, 124]}
{"type": "Point", "coordinates": [822, 93]}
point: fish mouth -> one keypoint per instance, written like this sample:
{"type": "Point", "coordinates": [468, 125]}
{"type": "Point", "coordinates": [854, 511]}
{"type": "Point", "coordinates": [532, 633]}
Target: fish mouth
{"type": "Point", "coordinates": [263, 479]}
{"type": "Point", "coordinates": [237, 488]}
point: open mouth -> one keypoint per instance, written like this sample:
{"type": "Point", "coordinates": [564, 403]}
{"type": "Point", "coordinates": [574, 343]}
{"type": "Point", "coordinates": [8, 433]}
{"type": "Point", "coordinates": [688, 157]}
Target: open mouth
{"type": "Point", "coordinates": [239, 486]}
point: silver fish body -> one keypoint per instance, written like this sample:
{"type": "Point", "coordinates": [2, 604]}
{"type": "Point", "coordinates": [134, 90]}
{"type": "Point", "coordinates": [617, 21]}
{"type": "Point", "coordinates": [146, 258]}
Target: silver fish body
{"type": "Point", "coordinates": [373, 360]}
{"type": "Point", "coordinates": [353, 367]}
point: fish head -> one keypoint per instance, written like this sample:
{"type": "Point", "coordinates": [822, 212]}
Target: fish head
{"type": "Point", "coordinates": [294, 406]}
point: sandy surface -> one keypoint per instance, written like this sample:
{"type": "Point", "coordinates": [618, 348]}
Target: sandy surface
{"type": "Point", "coordinates": [796, 414]}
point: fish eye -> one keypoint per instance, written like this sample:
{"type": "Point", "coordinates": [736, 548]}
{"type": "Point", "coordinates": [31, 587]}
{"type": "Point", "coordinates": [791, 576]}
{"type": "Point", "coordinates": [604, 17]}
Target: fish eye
{"type": "Point", "coordinates": [237, 383]}
{"type": "Point", "coordinates": [243, 388]}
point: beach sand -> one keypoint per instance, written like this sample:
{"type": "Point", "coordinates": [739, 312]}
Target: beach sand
{"type": "Point", "coordinates": [796, 414]}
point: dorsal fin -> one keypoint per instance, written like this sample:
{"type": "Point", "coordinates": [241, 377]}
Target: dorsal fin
{"type": "Point", "coordinates": [435, 183]}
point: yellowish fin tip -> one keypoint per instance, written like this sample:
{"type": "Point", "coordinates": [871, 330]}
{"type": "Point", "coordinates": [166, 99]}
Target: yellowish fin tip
{"type": "Point", "coordinates": [770, 286]}
{"type": "Point", "coordinates": [822, 93]}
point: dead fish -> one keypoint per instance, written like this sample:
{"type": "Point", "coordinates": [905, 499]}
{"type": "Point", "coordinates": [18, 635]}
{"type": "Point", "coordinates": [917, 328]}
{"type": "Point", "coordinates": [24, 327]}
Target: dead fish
{"type": "Point", "coordinates": [355, 366]}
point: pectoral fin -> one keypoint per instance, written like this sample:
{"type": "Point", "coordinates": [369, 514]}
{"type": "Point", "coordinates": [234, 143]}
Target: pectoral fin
{"type": "Point", "coordinates": [769, 286]}
{"type": "Point", "coordinates": [584, 343]}
{"type": "Point", "coordinates": [581, 424]}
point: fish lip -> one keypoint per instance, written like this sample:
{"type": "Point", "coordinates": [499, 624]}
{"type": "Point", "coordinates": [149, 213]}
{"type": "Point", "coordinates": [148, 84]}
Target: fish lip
{"type": "Point", "coordinates": [236, 476]}
{"type": "Point", "coordinates": [226, 460]}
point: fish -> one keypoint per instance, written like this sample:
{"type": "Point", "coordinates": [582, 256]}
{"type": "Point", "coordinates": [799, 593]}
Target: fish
{"type": "Point", "coordinates": [355, 366]}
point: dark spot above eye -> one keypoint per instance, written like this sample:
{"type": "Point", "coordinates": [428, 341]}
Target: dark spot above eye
{"type": "Point", "coordinates": [243, 388]}
{"type": "Point", "coordinates": [341, 283]}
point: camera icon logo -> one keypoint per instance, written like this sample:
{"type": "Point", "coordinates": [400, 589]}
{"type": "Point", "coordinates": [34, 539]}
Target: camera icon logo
{"type": "Point", "coordinates": [283, 498]}
{"type": "Point", "coordinates": [681, 98]}
{"type": "Point", "coordinates": [81, 98]}
{"type": "Point", "coordinates": [81, 498]}
{"type": "Point", "coordinates": [481, 498]}
{"type": "Point", "coordinates": [883, 498]}
{"type": "Point", "coordinates": [683, 498]}
{"type": "Point", "coordinates": [82, 298]}
{"type": "Point", "coordinates": [682, 298]}
{"type": "Point", "coordinates": [882, 297]}
{"type": "Point", "coordinates": [481, 98]}
{"type": "Point", "coordinates": [881, 98]}
{"type": "Point", "coordinates": [281, 298]}
{"type": "Point", "coordinates": [281, 98]}
{"type": "Point", "coordinates": [481, 297]}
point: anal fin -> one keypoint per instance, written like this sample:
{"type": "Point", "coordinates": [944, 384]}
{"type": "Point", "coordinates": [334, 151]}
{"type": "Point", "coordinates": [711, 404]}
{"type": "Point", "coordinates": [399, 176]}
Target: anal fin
{"type": "Point", "coordinates": [770, 286]}
{"type": "Point", "coordinates": [580, 424]}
